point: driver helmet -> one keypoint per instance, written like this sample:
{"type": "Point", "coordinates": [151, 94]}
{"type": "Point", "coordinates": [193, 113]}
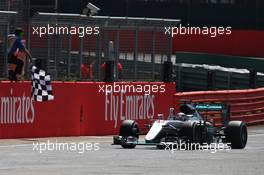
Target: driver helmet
{"type": "Point", "coordinates": [171, 113]}
{"type": "Point", "coordinates": [180, 115]}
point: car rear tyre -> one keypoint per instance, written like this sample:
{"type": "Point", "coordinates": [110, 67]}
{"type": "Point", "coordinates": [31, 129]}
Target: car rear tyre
{"type": "Point", "coordinates": [236, 134]}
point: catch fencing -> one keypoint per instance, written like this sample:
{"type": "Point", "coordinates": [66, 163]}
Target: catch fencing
{"type": "Point", "coordinates": [5, 25]}
{"type": "Point", "coordinates": [139, 44]}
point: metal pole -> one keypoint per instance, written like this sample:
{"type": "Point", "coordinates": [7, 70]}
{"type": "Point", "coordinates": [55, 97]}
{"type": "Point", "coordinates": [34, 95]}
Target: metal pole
{"type": "Point", "coordinates": [5, 53]}
{"type": "Point", "coordinates": [111, 50]}
{"type": "Point", "coordinates": [80, 55]}
{"type": "Point", "coordinates": [117, 40]}
{"type": "Point", "coordinates": [48, 53]}
{"type": "Point", "coordinates": [8, 5]}
{"type": "Point", "coordinates": [58, 55]}
{"type": "Point", "coordinates": [153, 54]}
{"type": "Point", "coordinates": [135, 54]}
{"type": "Point", "coordinates": [127, 7]}
{"type": "Point", "coordinates": [117, 53]}
{"type": "Point", "coordinates": [257, 14]}
{"type": "Point", "coordinates": [111, 58]}
{"type": "Point", "coordinates": [56, 6]}
{"type": "Point", "coordinates": [169, 48]}
{"type": "Point", "coordinates": [29, 48]}
{"type": "Point", "coordinates": [106, 48]}
{"type": "Point", "coordinates": [178, 83]}
{"type": "Point", "coordinates": [229, 80]}
{"type": "Point", "coordinates": [99, 54]}
{"type": "Point", "coordinates": [69, 56]}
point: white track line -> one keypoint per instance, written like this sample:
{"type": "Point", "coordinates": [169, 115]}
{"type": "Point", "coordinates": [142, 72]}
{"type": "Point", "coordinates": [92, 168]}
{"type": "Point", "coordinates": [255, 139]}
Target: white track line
{"type": "Point", "coordinates": [18, 145]}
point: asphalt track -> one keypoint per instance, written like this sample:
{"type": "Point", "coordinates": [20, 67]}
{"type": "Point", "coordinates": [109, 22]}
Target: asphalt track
{"type": "Point", "coordinates": [18, 157]}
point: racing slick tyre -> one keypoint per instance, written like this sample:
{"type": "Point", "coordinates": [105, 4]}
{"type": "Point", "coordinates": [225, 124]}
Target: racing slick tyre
{"type": "Point", "coordinates": [236, 134]}
{"type": "Point", "coordinates": [191, 130]}
{"type": "Point", "coordinates": [129, 132]}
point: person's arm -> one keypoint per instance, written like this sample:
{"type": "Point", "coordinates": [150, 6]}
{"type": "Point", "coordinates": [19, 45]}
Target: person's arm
{"type": "Point", "coordinates": [22, 47]}
{"type": "Point", "coordinates": [29, 54]}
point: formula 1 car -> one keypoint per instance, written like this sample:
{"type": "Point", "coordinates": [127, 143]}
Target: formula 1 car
{"type": "Point", "coordinates": [187, 126]}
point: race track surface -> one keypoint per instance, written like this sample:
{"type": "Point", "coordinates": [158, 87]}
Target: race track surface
{"type": "Point", "coordinates": [22, 157]}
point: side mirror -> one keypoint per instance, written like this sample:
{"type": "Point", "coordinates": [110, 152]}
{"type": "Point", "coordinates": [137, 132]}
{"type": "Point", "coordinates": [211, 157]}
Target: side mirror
{"type": "Point", "coordinates": [148, 126]}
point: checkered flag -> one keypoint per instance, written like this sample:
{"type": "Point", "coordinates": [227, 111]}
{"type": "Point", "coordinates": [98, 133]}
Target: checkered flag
{"type": "Point", "coordinates": [41, 85]}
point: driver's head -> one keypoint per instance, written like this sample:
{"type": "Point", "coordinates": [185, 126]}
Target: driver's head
{"type": "Point", "coordinates": [180, 115]}
{"type": "Point", "coordinates": [19, 32]}
{"type": "Point", "coordinates": [172, 111]}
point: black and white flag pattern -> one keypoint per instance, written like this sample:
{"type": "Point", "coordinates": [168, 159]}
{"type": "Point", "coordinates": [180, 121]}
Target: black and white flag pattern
{"type": "Point", "coordinates": [41, 85]}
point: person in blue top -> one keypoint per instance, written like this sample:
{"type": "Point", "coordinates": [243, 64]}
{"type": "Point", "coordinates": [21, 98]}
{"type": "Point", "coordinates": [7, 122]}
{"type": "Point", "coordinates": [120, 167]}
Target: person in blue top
{"type": "Point", "coordinates": [15, 47]}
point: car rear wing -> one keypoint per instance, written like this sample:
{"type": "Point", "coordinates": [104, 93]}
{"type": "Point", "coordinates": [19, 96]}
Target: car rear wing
{"type": "Point", "coordinates": [209, 107]}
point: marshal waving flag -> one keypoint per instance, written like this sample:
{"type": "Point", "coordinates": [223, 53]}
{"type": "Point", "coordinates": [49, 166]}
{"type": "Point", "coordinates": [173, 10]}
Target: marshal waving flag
{"type": "Point", "coordinates": [41, 85]}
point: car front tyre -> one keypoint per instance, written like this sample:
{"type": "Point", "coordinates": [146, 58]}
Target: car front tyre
{"type": "Point", "coordinates": [129, 131]}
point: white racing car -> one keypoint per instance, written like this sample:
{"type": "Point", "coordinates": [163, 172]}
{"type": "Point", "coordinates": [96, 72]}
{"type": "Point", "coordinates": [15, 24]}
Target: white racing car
{"type": "Point", "coordinates": [187, 126]}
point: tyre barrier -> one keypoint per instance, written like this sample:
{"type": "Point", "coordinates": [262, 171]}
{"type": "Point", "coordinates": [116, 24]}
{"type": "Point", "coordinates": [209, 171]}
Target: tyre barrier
{"type": "Point", "coordinates": [245, 105]}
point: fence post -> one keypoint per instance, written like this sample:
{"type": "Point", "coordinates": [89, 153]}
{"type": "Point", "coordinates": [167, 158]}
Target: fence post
{"type": "Point", "coordinates": [153, 53]}
{"type": "Point", "coordinates": [110, 64]}
{"type": "Point", "coordinates": [58, 55]}
{"type": "Point", "coordinates": [80, 56]}
{"type": "Point", "coordinates": [229, 80]}
{"type": "Point", "coordinates": [135, 54]}
{"type": "Point", "coordinates": [167, 71]}
{"type": "Point", "coordinates": [48, 53]}
{"type": "Point", "coordinates": [69, 56]}
{"type": "Point", "coordinates": [116, 54]}
{"type": "Point", "coordinates": [211, 79]}
{"type": "Point", "coordinates": [117, 40]}
{"type": "Point", "coordinates": [28, 45]}
{"type": "Point", "coordinates": [99, 53]}
{"type": "Point", "coordinates": [252, 78]}
{"type": "Point", "coordinates": [178, 76]}
{"type": "Point", "coordinates": [4, 50]}
{"type": "Point", "coordinates": [169, 48]}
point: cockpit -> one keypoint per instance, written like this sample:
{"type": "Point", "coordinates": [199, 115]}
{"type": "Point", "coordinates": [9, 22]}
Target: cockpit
{"type": "Point", "coordinates": [187, 112]}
